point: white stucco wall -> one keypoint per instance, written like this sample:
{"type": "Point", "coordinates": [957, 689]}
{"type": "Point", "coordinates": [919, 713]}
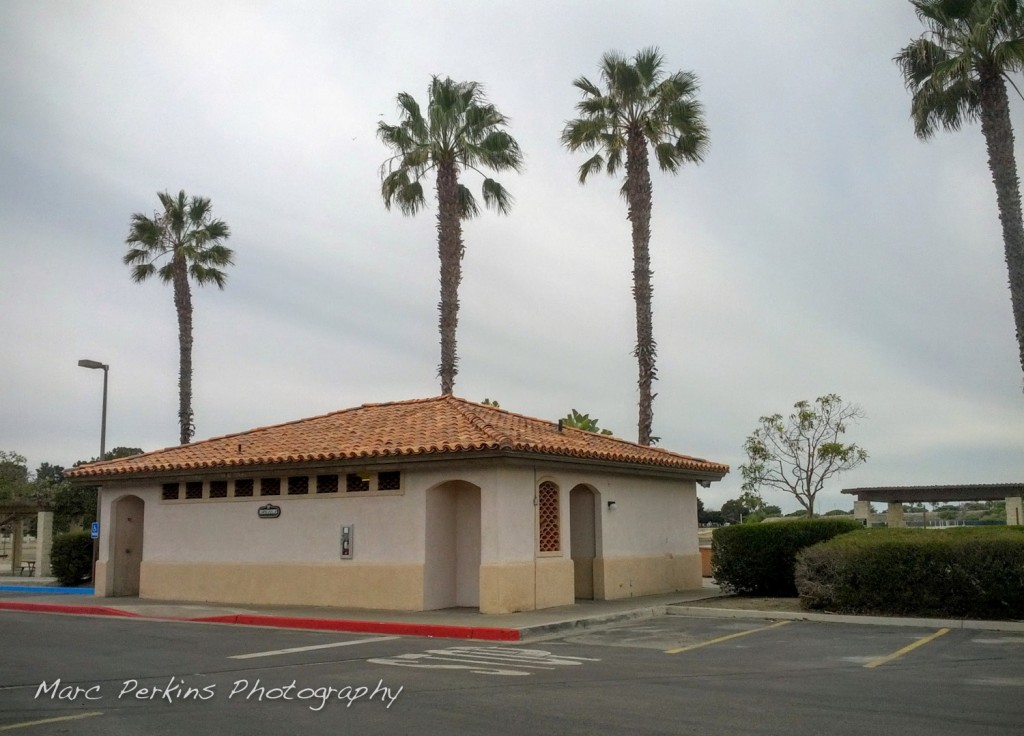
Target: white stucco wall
{"type": "Point", "coordinates": [387, 528]}
{"type": "Point", "coordinates": [654, 519]}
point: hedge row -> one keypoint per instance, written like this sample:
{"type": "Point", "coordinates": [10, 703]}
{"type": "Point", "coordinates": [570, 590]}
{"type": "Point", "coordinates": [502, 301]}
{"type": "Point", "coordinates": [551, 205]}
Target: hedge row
{"type": "Point", "coordinates": [758, 559]}
{"type": "Point", "coordinates": [951, 573]}
{"type": "Point", "coordinates": [71, 557]}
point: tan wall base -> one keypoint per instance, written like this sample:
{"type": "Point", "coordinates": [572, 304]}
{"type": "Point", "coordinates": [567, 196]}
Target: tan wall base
{"type": "Point", "coordinates": [99, 584]}
{"type": "Point", "coordinates": [526, 586]}
{"type": "Point", "coordinates": [387, 586]}
{"type": "Point", "coordinates": [627, 577]}
{"type": "Point", "coordinates": [507, 588]}
{"type": "Point", "coordinates": [556, 582]}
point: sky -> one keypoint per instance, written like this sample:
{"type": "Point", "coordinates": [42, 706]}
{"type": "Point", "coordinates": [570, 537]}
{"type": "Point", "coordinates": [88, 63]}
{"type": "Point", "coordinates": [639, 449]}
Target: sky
{"type": "Point", "coordinates": [819, 248]}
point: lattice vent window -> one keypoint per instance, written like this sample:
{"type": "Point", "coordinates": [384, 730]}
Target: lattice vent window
{"type": "Point", "coordinates": [356, 482]}
{"type": "Point", "coordinates": [243, 487]}
{"type": "Point", "coordinates": [298, 485]}
{"type": "Point", "coordinates": [548, 518]}
{"type": "Point", "coordinates": [270, 487]}
{"type": "Point", "coordinates": [327, 484]}
{"type": "Point", "coordinates": [390, 480]}
{"type": "Point", "coordinates": [194, 489]}
{"type": "Point", "coordinates": [218, 489]}
{"type": "Point", "coordinates": [171, 491]}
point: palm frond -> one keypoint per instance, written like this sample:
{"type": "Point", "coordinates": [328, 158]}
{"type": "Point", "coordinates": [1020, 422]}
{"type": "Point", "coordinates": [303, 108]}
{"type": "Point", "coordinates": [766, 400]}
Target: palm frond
{"type": "Point", "coordinates": [203, 275]}
{"type": "Point", "coordinates": [468, 208]}
{"type": "Point", "coordinates": [496, 197]}
{"type": "Point", "coordinates": [592, 165]}
{"type": "Point", "coordinates": [142, 271]}
{"type": "Point", "coordinates": [587, 87]}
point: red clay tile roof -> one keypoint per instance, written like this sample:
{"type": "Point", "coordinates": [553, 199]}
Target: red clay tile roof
{"type": "Point", "coordinates": [439, 426]}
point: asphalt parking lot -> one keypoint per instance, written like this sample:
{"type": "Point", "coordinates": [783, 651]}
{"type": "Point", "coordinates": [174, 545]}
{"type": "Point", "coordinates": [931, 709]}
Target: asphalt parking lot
{"type": "Point", "coordinates": [664, 675]}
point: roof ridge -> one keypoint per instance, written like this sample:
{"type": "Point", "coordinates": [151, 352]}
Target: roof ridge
{"type": "Point", "coordinates": [467, 409]}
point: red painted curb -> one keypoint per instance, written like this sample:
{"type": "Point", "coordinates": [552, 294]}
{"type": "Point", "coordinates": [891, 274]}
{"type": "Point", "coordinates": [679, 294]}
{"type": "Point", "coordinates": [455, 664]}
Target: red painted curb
{"type": "Point", "coordinates": [439, 631]}
{"type": "Point", "coordinates": [58, 608]}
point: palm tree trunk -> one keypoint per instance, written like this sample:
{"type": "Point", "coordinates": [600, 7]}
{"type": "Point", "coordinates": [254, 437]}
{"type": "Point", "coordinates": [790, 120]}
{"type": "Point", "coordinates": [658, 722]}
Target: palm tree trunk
{"type": "Point", "coordinates": [638, 194]}
{"type": "Point", "coordinates": [183, 305]}
{"type": "Point", "coordinates": [995, 124]}
{"type": "Point", "coordinates": [449, 250]}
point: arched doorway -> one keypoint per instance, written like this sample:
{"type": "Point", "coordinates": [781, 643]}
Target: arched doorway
{"type": "Point", "coordinates": [451, 570]}
{"type": "Point", "coordinates": [129, 514]}
{"type": "Point", "coordinates": [583, 538]}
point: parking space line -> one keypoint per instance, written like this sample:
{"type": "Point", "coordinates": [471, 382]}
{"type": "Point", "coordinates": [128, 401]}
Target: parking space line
{"type": "Point", "coordinates": [726, 638]}
{"type": "Point", "coordinates": [44, 721]}
{"type": "Point", "coordinates": [311, 648]}
{"type": "Point", "coordinates": [909, 648]}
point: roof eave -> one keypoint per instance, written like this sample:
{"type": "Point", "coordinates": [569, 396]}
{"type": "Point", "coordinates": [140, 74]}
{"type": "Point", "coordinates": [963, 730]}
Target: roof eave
{"type": "Point", "coordinates": [709, 474]}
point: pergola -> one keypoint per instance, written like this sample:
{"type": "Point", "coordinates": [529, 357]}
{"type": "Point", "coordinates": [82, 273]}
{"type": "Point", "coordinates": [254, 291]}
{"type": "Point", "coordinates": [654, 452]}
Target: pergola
{"type": "Point", "coordinates": [896, 496]}
{"type": "Point", "coordinates": [14, 513]}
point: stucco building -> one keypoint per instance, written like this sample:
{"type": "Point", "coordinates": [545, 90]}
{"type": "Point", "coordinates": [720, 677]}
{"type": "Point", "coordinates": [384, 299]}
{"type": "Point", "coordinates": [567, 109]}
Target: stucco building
{"type": "Point", "coordinates": [411, 505]}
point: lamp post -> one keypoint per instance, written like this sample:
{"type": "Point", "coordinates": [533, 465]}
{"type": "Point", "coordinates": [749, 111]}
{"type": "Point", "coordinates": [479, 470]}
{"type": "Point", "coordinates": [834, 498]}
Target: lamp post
{"type": "Point", "coordinates": [84, 363]}
{"type": "Point", "coordinates": [103, 423]}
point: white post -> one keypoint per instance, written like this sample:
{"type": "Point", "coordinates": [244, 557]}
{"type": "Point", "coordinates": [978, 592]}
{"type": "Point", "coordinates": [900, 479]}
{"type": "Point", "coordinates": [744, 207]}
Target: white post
{"type": "Point", "coordinates": [44, 541]}
{"type": "Point", "coordinates": [894, 514]}
{"type": "Point", "coordinates": [1014, 511]}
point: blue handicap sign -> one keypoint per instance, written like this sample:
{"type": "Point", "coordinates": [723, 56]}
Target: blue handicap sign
{"type": "Point", "coordinates": [95, 530]}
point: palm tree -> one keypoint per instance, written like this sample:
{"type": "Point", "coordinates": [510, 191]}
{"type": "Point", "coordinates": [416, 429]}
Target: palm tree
{"type": "Point", "coordinates": [957, 73]}
{"type": "Point", "coordinates": [186, 234]}
{"type": "Point", "coordinates": [639, 106]}
{"type": "Point", "coordinates": [461, 131]}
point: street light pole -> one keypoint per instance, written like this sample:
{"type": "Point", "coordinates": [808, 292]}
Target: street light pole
{"type": "Point", "coordinates": [103, 424]}
{"type": "Point", "coordinates": [84, 363]}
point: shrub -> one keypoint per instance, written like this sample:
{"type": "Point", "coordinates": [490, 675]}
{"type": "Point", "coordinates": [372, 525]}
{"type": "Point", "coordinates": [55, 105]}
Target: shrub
{"type": "Point", "coordinates": [71, 557]}
{"type": "Point", "coordinates": [959, 573]}
{"type": "Point", "coordinates": [758, 559]}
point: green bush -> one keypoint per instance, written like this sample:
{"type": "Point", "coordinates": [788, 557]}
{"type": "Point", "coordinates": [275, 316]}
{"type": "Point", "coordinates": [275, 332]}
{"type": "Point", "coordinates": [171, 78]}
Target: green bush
{"type": "Point", "coordinates": [71, 557]}
{"type": "Point", "coordinates": [953, 573]}
{"type": "Point", "coordinates": [758, 559]}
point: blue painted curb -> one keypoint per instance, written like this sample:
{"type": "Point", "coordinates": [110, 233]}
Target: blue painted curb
{"type": "Point", "coordinates": [47, 589]}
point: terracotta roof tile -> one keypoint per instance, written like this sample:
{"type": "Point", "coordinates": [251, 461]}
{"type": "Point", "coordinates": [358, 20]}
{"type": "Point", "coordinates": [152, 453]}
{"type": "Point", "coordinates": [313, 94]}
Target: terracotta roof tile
{"type": "Point", "coordinates": [442, 425]}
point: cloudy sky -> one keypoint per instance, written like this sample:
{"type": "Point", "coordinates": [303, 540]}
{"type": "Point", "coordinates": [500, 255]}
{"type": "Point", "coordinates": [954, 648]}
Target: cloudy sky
{"type": "Point", "coordinates": [820, 248]}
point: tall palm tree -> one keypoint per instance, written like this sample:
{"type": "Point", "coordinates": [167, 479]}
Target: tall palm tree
{"type": "Point", "coordinates": [461, 131]}
{"type": "Point", "coordinates": [957, 73]}
{"type": "Point", "coordinates": [640, 106]}
{"type": "Point", "coordinates": [187, 236]}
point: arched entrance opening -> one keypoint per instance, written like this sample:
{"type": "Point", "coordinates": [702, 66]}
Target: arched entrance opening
{"type": "Point", "coordinates": [583, 538]}
{"type": "Point", "coordinates": [451, 571]}
{"type": "Point", "coordinates": [129, 514]}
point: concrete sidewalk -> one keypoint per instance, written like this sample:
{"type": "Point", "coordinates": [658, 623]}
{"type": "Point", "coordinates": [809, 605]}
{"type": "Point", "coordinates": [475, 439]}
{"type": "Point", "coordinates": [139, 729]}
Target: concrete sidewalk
{"type": "Point", "coordinates": [18, 594]}
{"type": "Point", "coordinates": [456, 623]}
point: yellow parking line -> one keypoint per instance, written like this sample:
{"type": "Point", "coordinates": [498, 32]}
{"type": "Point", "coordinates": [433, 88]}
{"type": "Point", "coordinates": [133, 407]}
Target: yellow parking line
{"type": "Point", "coordinates": [909, 648]}
{"type": "Point", "coordinates": [44, 721]}
{"type": "Point", "coordinates": [726, 638]}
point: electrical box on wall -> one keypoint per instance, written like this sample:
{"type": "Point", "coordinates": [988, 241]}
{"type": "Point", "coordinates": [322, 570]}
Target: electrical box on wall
{"type": "Point", "coordinates": [346, 541]}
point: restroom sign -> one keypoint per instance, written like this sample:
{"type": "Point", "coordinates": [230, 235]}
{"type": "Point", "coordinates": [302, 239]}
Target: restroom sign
{"type": "Point", "coordinates": [268, 511]}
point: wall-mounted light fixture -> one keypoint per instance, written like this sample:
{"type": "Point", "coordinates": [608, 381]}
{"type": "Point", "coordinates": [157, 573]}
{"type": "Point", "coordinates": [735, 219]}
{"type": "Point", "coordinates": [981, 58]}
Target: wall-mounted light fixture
{"type": "Point", "coordinates": [611, 506]}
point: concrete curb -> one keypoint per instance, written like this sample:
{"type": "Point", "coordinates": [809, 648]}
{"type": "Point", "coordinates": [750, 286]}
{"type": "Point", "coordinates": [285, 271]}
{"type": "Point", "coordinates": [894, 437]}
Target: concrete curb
{"type": "Point", "coordinates": [835, 618]}
{"type": "Point", "coordinates": [560, 628]}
